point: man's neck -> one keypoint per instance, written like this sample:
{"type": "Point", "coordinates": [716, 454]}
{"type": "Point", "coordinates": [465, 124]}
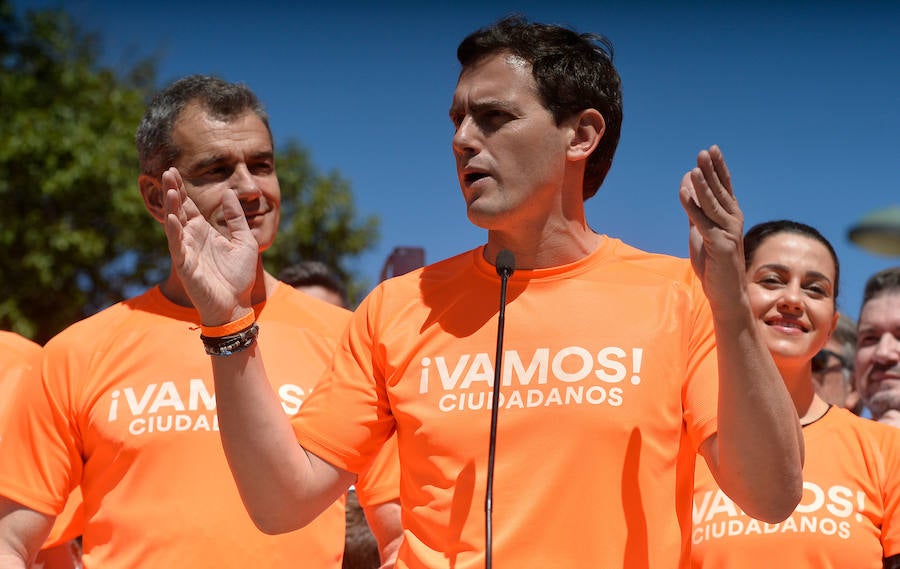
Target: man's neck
{"type": "Point", "coordinates": [541, 251]}
{"type": "Point", "coordinates": [263, 287]}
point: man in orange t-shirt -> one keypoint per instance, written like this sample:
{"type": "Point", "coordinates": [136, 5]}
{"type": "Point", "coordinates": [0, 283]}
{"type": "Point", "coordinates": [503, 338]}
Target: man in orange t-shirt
{"type": "Point", "coordinates": [127, 409]}
{"type": "Point", "coordinates": [20, 360]}
{"type": "Point", "coordinates": [618, 365]}
{"type": "Point", "coordinates": [877, 363]}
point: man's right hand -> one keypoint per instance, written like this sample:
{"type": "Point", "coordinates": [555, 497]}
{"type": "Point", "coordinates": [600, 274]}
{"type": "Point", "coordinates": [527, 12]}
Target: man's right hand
{"type": "Point", "coordinates": [217, 270]}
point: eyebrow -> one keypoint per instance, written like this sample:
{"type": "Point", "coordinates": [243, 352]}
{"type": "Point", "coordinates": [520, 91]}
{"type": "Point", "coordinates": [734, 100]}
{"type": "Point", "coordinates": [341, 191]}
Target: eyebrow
{"type": "Point", "coordinates": [216, 158]}
{"type": "Point", "coordinates": [479, 106]}
{"type": "Point", "coordinates": [878, 329]}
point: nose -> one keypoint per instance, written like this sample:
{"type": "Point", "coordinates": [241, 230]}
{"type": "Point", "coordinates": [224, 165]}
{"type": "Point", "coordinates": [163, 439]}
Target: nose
{"type": "Point", "coordinates": [888, 349]}
{"type": "Point", "coordinates": [465, 138]}
{"type": "Point", "coordinates": [244, 183]}
{"type": "Point", "coordinates": [790, 299]}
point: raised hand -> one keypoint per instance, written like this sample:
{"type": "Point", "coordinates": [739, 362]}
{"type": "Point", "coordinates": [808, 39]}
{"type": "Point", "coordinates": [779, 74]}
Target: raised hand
{"type": "Point", "coordinates": [216, 270]}
{"type": "Point", "coordinates": [716, 228]}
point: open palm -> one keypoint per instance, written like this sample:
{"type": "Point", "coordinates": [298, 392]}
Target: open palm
{"type": "Point", "coordinates": [217, 270]}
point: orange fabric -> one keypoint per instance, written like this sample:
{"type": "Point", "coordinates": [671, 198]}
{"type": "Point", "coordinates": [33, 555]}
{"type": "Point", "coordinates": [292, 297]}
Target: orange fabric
{"type": "Point", "coordinates": [69, 524]}
{"type": "Point", "coordinates": [609, 387]}
{"type": "Point", "coordinates": [229, 328]}
{"type": "Point", "coordinates": [20, 360]}
{"type": "Point", "coordinates": [848, 516]}
{"type": "Point", "coordinates": [130, 390]}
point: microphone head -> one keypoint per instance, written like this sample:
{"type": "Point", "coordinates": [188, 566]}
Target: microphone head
{"type": "Point", "coordinates": [505, 263]}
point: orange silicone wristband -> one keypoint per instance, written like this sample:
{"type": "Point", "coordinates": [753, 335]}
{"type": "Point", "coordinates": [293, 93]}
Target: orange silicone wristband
{"type": "Point", "coordinates": [230, 328]}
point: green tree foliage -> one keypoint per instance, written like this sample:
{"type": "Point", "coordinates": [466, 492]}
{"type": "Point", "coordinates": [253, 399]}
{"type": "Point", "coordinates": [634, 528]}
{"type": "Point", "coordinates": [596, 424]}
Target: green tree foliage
{"type": "Point", "coordinates": [74, 234]}
{"type": "Point", "coordinates": [67, 175]}
{"type": "Point", "coordinates": [318, 219]}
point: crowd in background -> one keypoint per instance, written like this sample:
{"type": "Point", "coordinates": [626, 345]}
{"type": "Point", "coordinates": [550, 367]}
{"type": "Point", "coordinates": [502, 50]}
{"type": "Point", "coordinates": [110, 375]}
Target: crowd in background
{"type": "Point", "coordinates": [77, 486]}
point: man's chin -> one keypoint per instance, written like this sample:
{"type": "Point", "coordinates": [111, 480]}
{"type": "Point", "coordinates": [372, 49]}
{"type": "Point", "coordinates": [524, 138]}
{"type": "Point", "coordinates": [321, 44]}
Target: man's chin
{"type": "Point", "coordinates": [264, 239]}
{"type": "Point", "coordinates": [883, 402]}
{"type": "Point", "coordinates": [890, 417]}
{"type": "Point", "coordinates": [484, 218]}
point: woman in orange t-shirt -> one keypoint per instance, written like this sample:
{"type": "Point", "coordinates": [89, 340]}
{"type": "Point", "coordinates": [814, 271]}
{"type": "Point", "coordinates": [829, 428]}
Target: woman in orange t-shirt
{"type": "Point", "coordinates": [851, 473]}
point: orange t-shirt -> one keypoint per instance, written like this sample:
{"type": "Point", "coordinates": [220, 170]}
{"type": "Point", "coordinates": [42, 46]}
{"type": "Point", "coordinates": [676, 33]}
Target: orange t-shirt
{"type": "Point", "coordinates": [130, 415]}
{"type": "Point", "coordinates": [609, 385]}
{"type": "Point", "coordinates": [848, 516]}
{"type": "Point", "coordinates": [20, 360]}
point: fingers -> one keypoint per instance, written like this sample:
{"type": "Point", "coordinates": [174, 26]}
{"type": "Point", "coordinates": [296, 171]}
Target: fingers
{"type": "Point", "coordinates": [711, 183]}
{"type": "Point", "coordinates": [687, 194]}
{"type": "Point", "coordinates": [177, 202]}
{"type": "Point", "coordinates": [179, 209]}
{"type": "Point", "coordinates": [716, 180]}
{"type": "Point", "coordinates": [171, 178]}
{"type": "Point", "coordinates": [235, 220]}
{"type": "Point", "coordinates": [718, 160]}
{"type": "Point", "coordinates": [175, 235]}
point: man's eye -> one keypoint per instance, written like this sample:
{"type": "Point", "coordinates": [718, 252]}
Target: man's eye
{"type": "Point", "coordinates": [212, 172]}
{"type": "Point", "coordinates": [497, 116]}
{"type": "Point", "coordinates": [866, 340]}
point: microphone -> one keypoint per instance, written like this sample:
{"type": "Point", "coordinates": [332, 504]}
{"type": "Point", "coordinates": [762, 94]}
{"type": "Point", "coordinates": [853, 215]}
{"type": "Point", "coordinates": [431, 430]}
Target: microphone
{"type": "Point", "coordinates": [505, 265]}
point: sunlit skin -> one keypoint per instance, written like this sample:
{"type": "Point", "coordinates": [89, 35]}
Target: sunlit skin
{"type": "Point", "coordinates": [791, 291]}
{"type": "Point", "coordinates": [218, 156]}
{"type": "Point", "coordinates": [878, 357]}
{"type": "Point", "coordinates": [520, 173]}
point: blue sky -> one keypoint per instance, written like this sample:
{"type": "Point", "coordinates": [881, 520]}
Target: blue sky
{"type": "Point", "coordinates": [803, 97]}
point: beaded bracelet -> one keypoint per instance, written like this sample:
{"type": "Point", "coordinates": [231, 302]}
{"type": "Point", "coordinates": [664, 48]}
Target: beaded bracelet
{"type": "Point", "coordinates": [231, 344]}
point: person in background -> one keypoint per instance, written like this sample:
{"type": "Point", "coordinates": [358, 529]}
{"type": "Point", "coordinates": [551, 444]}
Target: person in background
{"type": "Point", "coordinates": [360, 546]}
{"type": "Point", "coordinates": [316, 278]}
{"type": "Point", "coordinates": [20, 360]}
{"type": "Point", "coordinates": [619, 366]}
{"type": "Point", "coordinates": [878, 347]}
{"type": "Point", "coordinates": [319, 280]}
{"type": "Point", "coordinates": [832, 367]}
{"type": "Point", "coordinates": [848, 516]}
{"type": "Point", "coordinates": [127, 408]}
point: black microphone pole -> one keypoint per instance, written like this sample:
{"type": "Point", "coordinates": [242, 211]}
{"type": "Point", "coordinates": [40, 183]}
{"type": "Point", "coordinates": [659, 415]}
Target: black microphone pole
{"type": "Point", "coordinates": [505, 265]}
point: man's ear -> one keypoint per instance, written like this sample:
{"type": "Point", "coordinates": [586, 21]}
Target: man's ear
{"type": "Point", "coordinates": [588, 127]}
{"type": "Point", "coordinates": [154, 197]}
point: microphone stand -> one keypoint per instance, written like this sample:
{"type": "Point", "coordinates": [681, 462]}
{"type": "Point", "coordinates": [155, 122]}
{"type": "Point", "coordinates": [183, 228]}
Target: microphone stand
{"type": "Point", "coordinates": [505, 265]}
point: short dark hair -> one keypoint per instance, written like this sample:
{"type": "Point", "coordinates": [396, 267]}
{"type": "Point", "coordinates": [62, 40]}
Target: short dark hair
{"type": "Point", "coordinates": [314, 273]}
{"type": "Point", "coordinates": [762, 231]}
{"type": "Point", "coordinates": [360, 546]}
{"type": "Point", "coordinates": [573, 72]}
{"type": "Point", "coordinates": [886, 281]}
{"type": "Point", "coordinates": [221, 99]}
